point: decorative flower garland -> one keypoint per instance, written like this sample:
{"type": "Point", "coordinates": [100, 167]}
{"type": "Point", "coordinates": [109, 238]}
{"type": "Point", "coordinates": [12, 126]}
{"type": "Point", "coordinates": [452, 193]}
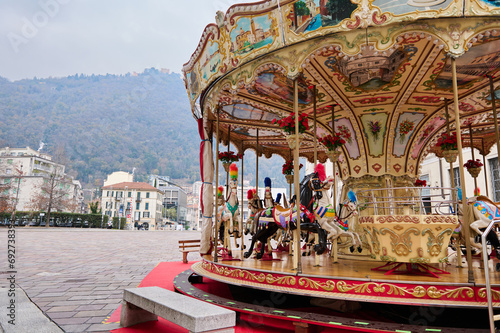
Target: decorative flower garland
{"type": "Point", "coordinates": [288, 167]}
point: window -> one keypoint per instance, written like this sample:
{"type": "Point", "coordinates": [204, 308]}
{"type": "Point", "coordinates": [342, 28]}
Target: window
{"type": "Point", "coordinates": [145, 214]}
{"type": "Point", "coordinates": [9, 161]}
{"type": "Point", "coordinates": [6, 181]}
{"type": "Point", "coordinates": [137, 205]}
{"type": "Point", "coordinates": [112, 193]}
{"type": "Point", "coordinates": [147, 194]}
{"type": "Point", "coordinates": [107, 194]}
{"type": "Point", "coordinates": [495, 178]}
{"type": "Point", "coordinates": [456, 177]}
{"type": "Point", "coordinates": [130, 194]}
{"type": "Point", "coordinates": [128, 205]}
{"type": "Point", "coordinates": [147, 205]}
{"type": "Point", "coordinates": [138, 195]}
{"type": "Point", "coordinates": [426, 192]}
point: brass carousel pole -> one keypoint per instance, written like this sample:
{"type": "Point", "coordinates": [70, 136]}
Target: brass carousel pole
{"type": "Point", "coordinates": [334, 251]}
{"type": "Point", "coordinates": [315, 136]}
{"type": "Point", "coordinates": [484, 163]}
{"type": "Point", "coordinates": [495, 118]}
{"type": "Point", "coordinates": [333, 163]}
{"type": "Point", "coordinates": [241, 215]}
{"type": "Point", "coordinates": [257, 165]}
{"type": "Point", "coordinates": [228, 146]}
{"type": "Point", "coordinates": [316, 236]}
{"type": "Point", "coordinates": [216, 236]}
{"type": "Point", "coordinates": [465, 208]}
{"type": "Point", "coordinates": [473, 157]}
{"type": "Point", "coordinates": [448, 131]}
{"type": "Point", "coordinates": [297, 255]}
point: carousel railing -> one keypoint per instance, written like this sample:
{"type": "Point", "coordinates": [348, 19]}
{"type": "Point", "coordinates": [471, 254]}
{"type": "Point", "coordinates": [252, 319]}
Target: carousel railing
{"type": "Point", "coordinates": [408, 201]}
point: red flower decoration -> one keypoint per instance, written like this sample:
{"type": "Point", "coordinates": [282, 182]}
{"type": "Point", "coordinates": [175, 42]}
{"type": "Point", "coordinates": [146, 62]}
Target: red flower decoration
{"type": "Point", "coordinates": [447, 142]}
{"type": "Point", "coordinates": [229, 157]}
{"type": "Point", "coordinates": [288, 123]}
{"type": "Point", "coordinates": [288, 167]}
{"type": "Point", "coordinates": [473, 164]}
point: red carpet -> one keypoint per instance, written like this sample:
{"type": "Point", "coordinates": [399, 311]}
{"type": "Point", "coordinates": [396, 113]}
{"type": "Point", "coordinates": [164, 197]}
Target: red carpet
{"type": "Point", "coordinates": [163, 275]}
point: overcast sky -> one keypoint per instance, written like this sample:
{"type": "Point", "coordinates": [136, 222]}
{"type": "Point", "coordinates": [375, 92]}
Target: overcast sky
{"type": "Point", "coordinates": [57, 38]}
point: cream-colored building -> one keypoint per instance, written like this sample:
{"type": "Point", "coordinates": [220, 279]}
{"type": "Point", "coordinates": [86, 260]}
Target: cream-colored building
{"type": "Point", "coordinates": [119, 177]}
{"type": "Point", "coordinates": [138, 202]}
{"type": "Point", "coordinates": [23, 172]}
{"type": "Point", "coordinates": [436, 172]}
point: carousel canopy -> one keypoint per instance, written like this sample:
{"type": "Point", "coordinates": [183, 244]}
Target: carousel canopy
{"type": "Point", "coordinates": [376, 72]}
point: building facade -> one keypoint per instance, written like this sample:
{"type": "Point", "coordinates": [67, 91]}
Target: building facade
{"type": "Point", "coordinates": [175, 197]}
{"type": "Point", "coordinates": [138, 202]}
{"type": "Point", "coordinates": [27, 177]}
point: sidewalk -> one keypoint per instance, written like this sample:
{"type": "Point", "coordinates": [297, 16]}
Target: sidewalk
{"type": "Point", "coordinates": [77, 276]}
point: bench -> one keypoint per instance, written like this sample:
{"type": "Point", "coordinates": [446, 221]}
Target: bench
{"type": "Point", "coordinates": [188, 245]}
{"type": "Point", "coordinates": [146, 304]}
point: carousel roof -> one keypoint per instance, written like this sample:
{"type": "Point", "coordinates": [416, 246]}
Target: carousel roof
{"type": "Point", "coordinates": [381, 70]}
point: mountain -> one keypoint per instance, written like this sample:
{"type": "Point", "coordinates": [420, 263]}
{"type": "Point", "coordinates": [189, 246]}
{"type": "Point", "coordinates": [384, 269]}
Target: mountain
{"type": "Point", "coordinates": [103, 123]}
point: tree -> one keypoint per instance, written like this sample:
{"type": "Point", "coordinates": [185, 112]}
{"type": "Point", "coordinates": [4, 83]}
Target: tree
{"type": "Point", "coordinates": [301, 9]}
{"type": "Point", "coordinates": [94, 207]}
{"type": "Point", "coordinates": [340, 9]}
{"type": "Point", "coordinates": [52, 194]}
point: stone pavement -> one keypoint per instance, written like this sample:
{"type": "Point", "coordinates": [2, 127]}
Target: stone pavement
{"type": "Point", "coordinates": [77, 276]}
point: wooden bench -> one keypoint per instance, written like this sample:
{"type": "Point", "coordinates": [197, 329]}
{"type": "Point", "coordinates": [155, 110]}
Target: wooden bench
{"type": "Point", "coordinates": [146, 304]}
{"type": "Point", "coordinates": [188, 245]}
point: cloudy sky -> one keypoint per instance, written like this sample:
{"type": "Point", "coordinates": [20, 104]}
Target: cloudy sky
{"type": "Point", "coordinates": [56, 38]}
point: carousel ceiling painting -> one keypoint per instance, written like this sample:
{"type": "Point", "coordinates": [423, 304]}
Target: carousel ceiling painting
{"type": "Point", "coordinates": [381, 70]}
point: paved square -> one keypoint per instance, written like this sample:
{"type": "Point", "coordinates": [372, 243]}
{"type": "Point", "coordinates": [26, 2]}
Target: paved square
{"type": "Point", "coordinates": [77, 276]}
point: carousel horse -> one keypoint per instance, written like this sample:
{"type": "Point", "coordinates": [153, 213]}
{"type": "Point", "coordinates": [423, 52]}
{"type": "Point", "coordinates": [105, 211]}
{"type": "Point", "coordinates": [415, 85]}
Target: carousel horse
{"type": "Point", "coordinates": [485, 211]}
{"type": "Point", "coordinates": [482, 212]}
{"type": "Point", "coordinates": [335, 224]}
{"type": "Point", "coordinates": [229, 215]}
{"type": "Point", "coordinates": [274, 218]}
{"type": "Point", "coordinates": [255, 206]}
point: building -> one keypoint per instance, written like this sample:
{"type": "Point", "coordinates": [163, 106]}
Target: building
{"type": "Point", "coordinates": [27, 178]}
{"type": "Point", "coordinates": [175, 196]}
{"type": "Point", "coordinates": [138, 202]}
{"type": "Point", "coordinates": [119, 177]}
{"type": "Point", "coordinates": [436, 172]}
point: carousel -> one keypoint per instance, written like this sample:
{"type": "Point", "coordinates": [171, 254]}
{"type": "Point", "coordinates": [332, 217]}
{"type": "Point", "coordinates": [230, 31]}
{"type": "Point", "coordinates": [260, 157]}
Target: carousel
{"type": "Point", "coordinates": [372, 87]}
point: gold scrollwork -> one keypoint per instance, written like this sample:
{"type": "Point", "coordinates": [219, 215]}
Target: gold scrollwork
{"type": "Point", "coordinates": [440, 219]}
{"type": "Point", "coordinates": [329, 285]}
{"type": "Point", "coordinates": [401, 244]}
{"type": "Point", "coordinates": [419, 292]}
{"type": "Point", "coordinates": [462, 292]}
{"type": "Point", "coordinates": [364, 288]}
{"type": "Point", "coordinates": [495, 294]}
{"type": "Point", "coordinates": [398, 219]}
{"type": "Point", "coordinates": [375, 243]}
{"type": "Point", "coordinates": [283, 280]}
{"type": "Point", "coordinates": [365, 219]}
{"type": "Point", "coordinates": [435, 243]}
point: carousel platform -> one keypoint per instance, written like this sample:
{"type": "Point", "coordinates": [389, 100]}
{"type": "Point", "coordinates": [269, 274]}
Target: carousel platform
{"type": "Point", "coordinates": [359, 280]}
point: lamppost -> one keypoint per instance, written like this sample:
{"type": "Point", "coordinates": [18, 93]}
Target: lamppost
{"type": "Point", "coordinates": [20, 174]}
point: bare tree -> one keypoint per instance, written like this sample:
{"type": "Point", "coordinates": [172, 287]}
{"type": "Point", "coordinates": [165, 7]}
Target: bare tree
{"type": "Point", "coordinates": [52, 195]}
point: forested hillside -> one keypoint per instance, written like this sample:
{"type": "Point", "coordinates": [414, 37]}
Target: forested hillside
{"type": "Point", "coordinates": [105, 123]}
{"type": "Point", "coordinates": [100, 124]}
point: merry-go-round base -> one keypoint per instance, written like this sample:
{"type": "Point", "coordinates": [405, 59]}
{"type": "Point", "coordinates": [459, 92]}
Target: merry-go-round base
{"type": "Point", "coordinates": [353, 280]}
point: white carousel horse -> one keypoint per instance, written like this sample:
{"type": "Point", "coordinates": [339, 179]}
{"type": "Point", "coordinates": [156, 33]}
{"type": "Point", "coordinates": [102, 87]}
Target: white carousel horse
{"type": "Point", "coordinates": [485, 211]}
{"type": "Point", "coordinates": [333, 223]}
{"type": "Point", "coordinates": [229, 213]}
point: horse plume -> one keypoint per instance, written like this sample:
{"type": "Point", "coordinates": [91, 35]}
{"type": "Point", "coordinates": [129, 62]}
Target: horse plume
{"type": "Point", "coordinates": [251, 193]}
{"type": "Point", "coordinates": [320, 170]}
{"type": "Point", "coordinates": [233, 171]}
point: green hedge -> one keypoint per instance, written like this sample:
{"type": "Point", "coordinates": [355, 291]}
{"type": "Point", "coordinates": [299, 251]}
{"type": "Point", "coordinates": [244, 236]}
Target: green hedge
{"type": "Point", "coordinates": [61, 219]}
{"type": "Point", "coordinates": [116, 224]}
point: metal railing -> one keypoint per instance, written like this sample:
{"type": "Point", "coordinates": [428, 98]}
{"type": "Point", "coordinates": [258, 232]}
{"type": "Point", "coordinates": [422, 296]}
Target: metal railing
{"type": "Point", "coordinates": [408, 201]}
{"type": "Point", "coordinates": [491, 317]}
